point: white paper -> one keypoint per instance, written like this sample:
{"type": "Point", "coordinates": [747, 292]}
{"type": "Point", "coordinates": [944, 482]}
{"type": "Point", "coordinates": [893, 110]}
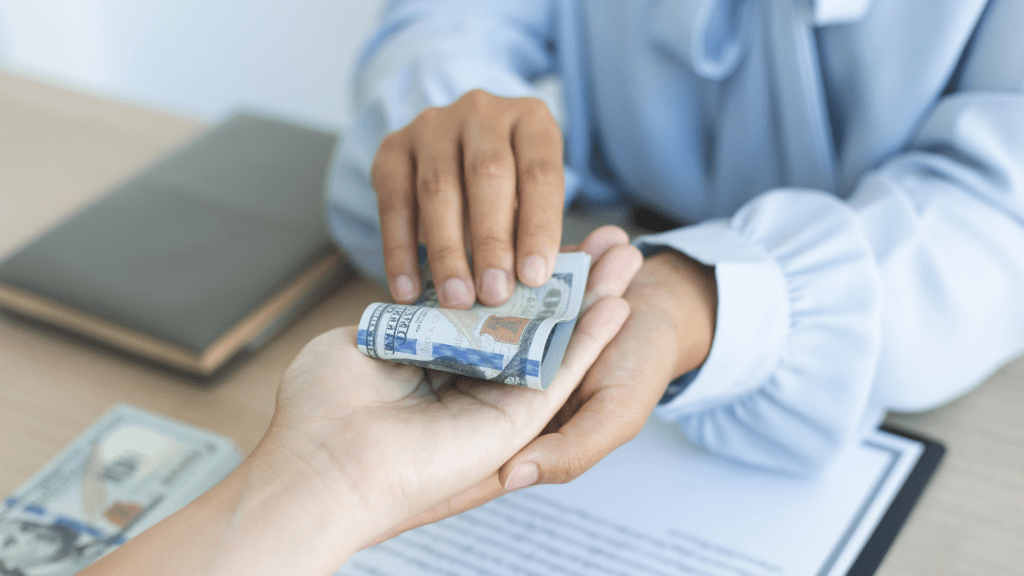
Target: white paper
{"type": "Point", "coordinates": [660, 506]}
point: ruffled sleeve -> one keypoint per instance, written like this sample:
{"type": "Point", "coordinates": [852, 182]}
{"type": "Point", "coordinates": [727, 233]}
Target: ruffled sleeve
{"type": "Point", "coordinates": [797, 339]}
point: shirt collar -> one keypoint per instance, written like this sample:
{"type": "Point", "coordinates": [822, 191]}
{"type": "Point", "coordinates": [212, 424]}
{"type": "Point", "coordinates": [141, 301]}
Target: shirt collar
{"type": "Point", "coordinates": [712, 36]}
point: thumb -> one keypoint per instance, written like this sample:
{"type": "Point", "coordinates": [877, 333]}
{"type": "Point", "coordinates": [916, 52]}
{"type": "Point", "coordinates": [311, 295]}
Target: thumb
{"type": "Point", "coordinates": [606, 421]}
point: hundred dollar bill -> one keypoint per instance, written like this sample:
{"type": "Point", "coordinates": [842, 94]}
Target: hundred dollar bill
{"type": "Point", "coordinates": [127, 472]}
{"type": "Point", "coordinates": [520, 342]}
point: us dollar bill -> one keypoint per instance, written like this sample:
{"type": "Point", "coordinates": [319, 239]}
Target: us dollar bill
{"type": "Point", "coordinates": [521, 342]}
{"type": "Point", "coordinates": [127, 472]}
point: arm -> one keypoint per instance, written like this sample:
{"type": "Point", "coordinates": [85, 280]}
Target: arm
{"type": "Point", "coordinates": [358, 446]}
{"type": "Point", "coordinates": [828, 311]}
{"type": "Point", "coordinates": [902, 298]}
{"type": "Point", "coordinates": [818, 313]}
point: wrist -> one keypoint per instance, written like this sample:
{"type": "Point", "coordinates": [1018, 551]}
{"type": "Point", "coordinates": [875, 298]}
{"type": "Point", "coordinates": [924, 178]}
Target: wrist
{"type": "Point", "coordinates": [278, 503]}
{"type": "Point", "coordinates": [683, 294]}
{"type": "Point", "coordinates": [267, 517]}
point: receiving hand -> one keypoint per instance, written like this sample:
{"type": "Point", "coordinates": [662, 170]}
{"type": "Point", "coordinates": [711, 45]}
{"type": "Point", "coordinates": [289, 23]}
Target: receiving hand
{"type": "Point", "coordinates": [486, 164]}
{"type": "Point", "coordinates": [409, 439]}
{"type": "Point", "coordinates": [358, 446]}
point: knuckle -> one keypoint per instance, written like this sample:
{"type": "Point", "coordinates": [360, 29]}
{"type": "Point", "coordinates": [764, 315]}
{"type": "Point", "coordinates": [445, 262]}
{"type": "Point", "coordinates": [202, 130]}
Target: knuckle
{"type": "Point", "coordinates": [431, 183]}
{"type": "Point", "coordinates": [535, 106]}
{"type": "Point", "coordinates": [392, 143]}
{"type": "Point", "coordinates": [389, 197]}
{"type": "Point", "coordinates": [396, 252]}
{"type": "Point", "coordinates": [429, 116]}
{"type": "Point", "coordinates": [390, 191]}
{"type": "Point", "coordinates": [389, 154]}
{"type": "Point", "coordinates": [537, 110]}
{"type": "Point", "coordinates": [426, 127]}
{"type": "Point", "coordinates": [632, 422]}
{"type": "Point", "coordinates": [491, 242]}
{"type": "Point", "coordinates": [444, 253]}
{"type": "Point", "coordinates": [476, 99]}
{"type": "Point", "coordinates": [541, 174]}
{"type": "Point", "coordinates": [490, 167]}
{"type": "Point", "coordinates": [572, 468]}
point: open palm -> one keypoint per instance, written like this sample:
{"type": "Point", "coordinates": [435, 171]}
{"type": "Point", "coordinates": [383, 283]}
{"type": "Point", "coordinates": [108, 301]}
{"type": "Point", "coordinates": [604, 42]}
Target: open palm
{"type": "Point", "coordinates": [407, 439]}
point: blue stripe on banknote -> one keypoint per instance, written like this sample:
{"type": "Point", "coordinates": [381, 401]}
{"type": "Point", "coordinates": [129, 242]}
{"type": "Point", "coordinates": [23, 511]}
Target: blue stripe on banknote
{"type": "Point", "coordinates": [77, 526]}
{"type": "Point", "coordinates": [82, 528]}
{"type": "Point", "coordinates": [469, 356]}
{"type": "Point", "coordinates": [406, 347]}
{"type": "Point", "coordinates": [532, 367]}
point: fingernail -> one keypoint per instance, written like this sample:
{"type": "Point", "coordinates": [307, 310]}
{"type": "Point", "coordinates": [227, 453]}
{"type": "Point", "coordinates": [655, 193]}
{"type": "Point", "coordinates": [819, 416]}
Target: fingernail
{"type": "Point", "coordinates": [494, 285]}
{"type": "Point", "coordinates": [533, 270]}
{"type": "Point", "coordinates": [403, 288]}
{"type": "Point", "coordinates": [526, 474]}
{"type": "Point", "coordinates": [457, 292]}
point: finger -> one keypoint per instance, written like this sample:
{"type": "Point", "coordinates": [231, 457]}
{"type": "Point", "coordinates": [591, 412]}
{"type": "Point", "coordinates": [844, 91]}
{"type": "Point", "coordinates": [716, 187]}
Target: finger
{"type": "Point", "coordinates": [392, 179]}
{"type": "Point", "coordinates": [612, 273]}
{"type": "Point", "coordinates": [440, 203]}
{"type": "Point", "coordinates": [593, 332]}
{"type": "Point", "coordinates": [570, 248]}
{"type": "Point", "coordinates": [603, 239]}
{"type": "Point", "coordinates": [490, 176]}
{"type": "Point", "coordinates": [560, 457]}
{"type": "Point", "coordinates": [537, 143]}
{"type": "Point", "coordinates": [609, 408]}
{"type": "Point", "coordinates": [608, 419]}
{"type": "Point", "coordinates": [476, 496]}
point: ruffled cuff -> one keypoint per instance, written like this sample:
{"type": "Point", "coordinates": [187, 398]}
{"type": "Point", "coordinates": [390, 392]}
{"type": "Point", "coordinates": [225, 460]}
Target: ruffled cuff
{"type": "Point", "coordinates": [797, 333]}
{"type": "Point", "coordinates": [753, 312]}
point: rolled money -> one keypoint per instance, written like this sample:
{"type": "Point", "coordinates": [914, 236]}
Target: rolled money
{"type": "Point", "coordinates": [127, 472]}
{"type": "Point", "coordinates": [521, 342]}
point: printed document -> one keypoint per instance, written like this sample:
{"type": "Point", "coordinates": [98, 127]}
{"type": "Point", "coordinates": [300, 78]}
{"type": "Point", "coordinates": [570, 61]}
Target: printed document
{"type": "Point", "coordinates": [661, 506]}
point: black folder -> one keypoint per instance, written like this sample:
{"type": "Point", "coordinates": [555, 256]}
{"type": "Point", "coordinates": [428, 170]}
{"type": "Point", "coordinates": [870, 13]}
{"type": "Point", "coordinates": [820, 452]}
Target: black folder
{"type": "Point", "coordinates": [206, 253]}
{"type": "Point", "coordinates": [885, 533]}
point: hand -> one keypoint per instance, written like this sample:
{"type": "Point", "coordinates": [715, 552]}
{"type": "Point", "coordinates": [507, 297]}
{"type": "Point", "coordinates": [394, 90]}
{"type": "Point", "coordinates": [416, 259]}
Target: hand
{"type": "Point", "coordinates": [494, 161]}
{"type": "Point", "coordinates": [358, 446]}
{"type": "Point", "coordinates": [403, 439]}
{"type": "Point", "coordinates": [435, 423]}
{"type": "Point", "coordinates": [673, 302]}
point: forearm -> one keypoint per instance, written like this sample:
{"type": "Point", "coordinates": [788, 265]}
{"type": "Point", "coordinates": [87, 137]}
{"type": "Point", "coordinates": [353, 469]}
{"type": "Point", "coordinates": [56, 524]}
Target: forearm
{"type": "Point", "coordinates": [268, 517]}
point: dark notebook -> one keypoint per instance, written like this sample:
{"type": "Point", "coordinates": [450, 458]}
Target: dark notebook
{"type": "Point", "coordinates": [202, 255]}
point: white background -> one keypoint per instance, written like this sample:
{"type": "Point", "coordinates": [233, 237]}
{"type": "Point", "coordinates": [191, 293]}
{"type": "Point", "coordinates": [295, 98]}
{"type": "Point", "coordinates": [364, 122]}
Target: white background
{"type": "Point", "coordinates": [197, 58]}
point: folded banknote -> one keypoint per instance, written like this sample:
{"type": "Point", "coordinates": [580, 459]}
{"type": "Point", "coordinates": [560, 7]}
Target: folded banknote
{"type": "Point", "coordinates": [521, 342]}
{"type": "Point", "coordinates": [128, 471]}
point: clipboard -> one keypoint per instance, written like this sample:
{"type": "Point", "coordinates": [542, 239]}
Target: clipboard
{"type": "Point", "coordinates": [660, 506]}
{"type": "Point", "coordinates": [889, 527]}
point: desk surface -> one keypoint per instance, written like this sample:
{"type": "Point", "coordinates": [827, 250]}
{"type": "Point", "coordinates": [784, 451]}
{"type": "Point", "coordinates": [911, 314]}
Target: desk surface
{"type": "Point", "coordinates": [59, 150]}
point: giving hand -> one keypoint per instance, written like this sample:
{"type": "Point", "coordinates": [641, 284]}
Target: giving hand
{"type": "Point", "coordinates": [673, 302]}
{"type": "Point", "coordinates": [484, 173]}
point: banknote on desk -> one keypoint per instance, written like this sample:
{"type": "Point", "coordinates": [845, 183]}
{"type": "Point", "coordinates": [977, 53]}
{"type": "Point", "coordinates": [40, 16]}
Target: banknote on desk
{"type": "Point", "coordinates": [128, 471]}
{"type": "Point", "coordinates": [521, 342]}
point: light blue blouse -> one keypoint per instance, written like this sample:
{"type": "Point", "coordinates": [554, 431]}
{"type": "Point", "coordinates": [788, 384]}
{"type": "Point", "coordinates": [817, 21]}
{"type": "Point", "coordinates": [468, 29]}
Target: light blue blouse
{"type": "Point", "coordinates": [854, 170]}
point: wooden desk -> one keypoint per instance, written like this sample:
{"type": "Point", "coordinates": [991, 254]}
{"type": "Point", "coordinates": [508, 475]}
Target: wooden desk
{"type": "Point", "coordinates": [59, 149]}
